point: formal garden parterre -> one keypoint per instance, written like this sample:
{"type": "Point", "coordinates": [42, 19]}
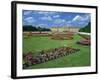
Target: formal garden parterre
{"type": "Point", "coordinates": [43, 51]}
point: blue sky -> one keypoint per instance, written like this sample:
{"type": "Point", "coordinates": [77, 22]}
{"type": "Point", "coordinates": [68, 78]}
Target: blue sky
{"type": "Point", "coordinates": [55, 19]}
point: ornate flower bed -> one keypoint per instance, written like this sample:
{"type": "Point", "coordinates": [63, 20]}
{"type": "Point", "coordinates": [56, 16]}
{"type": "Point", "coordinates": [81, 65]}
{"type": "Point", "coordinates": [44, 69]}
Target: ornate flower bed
{"type": "Point", "coordinates": [47, 55]}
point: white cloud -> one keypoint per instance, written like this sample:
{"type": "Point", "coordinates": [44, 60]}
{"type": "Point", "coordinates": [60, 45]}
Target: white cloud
{"type": "Point", "coordinates": [46, 18]}
{"type": "Point", "coordinates": [86, 17]}
{"type": "Point", "coordinates": [58, 21]}
{"type": "Point", "coordinates": [46, 13]}
{"type": "Point", "coordinates": [42, 25]}
{"type": "Point", "coordinates": [68, 22]}
{"type": "Point", "coordinates": [27, 12]}
{"type": "Point", "coordinates": [77, 18]}
{"type": "Point", "coordinates": [29, 19]}
{"type": "Point", "coordinates": [56, 16]}
{"type": "Point", "coordinates": [81, 18]}
{"type": "Point", "coordinates": [68, 25]}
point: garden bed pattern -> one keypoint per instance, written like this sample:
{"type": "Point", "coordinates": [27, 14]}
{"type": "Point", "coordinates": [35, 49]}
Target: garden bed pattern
{"type": "Point", "coordinates": [62, 36]}
{"type": "Point", "coordinates": [47, 55]}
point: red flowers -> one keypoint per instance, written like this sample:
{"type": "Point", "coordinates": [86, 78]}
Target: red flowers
{"type": "Point", "coordinates": [47, 55]}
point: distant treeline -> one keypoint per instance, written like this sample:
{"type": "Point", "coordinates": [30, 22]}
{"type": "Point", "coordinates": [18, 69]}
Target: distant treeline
{"type": "Point", "coordinates": [34, 28]}
{"type": "Point", "coordinates": [87, 28]}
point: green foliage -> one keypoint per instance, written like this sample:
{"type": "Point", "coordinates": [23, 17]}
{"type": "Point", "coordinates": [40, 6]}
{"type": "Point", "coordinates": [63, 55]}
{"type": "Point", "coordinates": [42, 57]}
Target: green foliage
{"type": "Point", "coordinates": [34, 28]}
{"type": "Point", "coordinates": [87, 28]}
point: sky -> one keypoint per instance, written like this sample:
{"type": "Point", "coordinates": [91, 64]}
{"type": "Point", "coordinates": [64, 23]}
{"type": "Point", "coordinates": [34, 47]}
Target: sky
{"type": "Point", "coordinates": [49, 19]}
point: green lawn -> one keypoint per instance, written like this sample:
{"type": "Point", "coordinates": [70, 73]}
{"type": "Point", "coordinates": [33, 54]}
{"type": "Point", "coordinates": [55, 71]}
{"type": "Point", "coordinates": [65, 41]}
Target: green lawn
{"type": "Point", "coordinates": [38, 43]}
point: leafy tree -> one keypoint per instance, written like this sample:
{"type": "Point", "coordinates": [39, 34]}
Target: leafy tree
{"type": "Point", "coordinates": [34, 28]}
{"type": "Point", "coordinates": [87, 28]}
{"type": "Point", "coordinates": [40, 29]}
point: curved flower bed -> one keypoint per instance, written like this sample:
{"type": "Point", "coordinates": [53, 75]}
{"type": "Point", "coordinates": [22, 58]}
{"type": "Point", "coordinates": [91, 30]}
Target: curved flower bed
{"type": "Point", "coordinates": [47, 55]}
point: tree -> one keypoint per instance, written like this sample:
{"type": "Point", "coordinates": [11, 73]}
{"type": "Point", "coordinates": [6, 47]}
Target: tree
{"type": "Point", "coordinates": [34, 28]}
{"type": "Point", "coordinates": [40, 29]}
{"type": "Point", "coordinates": [87, 28]}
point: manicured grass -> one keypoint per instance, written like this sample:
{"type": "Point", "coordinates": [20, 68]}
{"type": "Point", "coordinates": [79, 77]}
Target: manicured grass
{"type": "Point", "coordinates": [38, 43]}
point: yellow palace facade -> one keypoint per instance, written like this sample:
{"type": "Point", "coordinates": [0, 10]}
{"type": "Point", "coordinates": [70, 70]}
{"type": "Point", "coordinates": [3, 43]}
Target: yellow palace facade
{"type": "Point", "coordinates": [64, 29]}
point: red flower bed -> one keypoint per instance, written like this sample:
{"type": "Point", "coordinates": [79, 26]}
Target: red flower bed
{"type": "Point", "coordinates": [47, 55]}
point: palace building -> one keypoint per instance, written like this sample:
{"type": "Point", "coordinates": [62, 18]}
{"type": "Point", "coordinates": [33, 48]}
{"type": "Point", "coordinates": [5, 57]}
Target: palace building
{"type": "Point", "coordinates": [64, 29]}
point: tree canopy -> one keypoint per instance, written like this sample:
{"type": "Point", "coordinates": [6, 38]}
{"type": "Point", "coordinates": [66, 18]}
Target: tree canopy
{"type": "Point", "coordinates": [34, 28]}
{"type": "Point", "coordinates": [87, 28]}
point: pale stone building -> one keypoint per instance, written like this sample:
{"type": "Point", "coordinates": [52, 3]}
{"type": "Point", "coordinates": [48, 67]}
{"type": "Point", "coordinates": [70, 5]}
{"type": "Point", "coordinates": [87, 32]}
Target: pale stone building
{"type": "Point", "coordinates": [64, 29]}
